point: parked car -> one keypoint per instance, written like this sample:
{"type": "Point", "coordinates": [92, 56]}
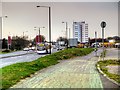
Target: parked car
{"type": "Point", "coordinates": [60, 47]}
{"type": "Point", "coordinates": [31, 48]}
{"type": "Point", "coordinates": [26, 49]}
{"type": "Point", "coordinates": [95, 45]}
{"type": "Point", "coordinates": [117, 45]}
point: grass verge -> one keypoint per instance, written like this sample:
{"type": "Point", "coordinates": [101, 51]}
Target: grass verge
{"type": "Point", "coordinates": [6, 51]}
{"type": "Point", "coordinates": [103, 67]}
{"type": "Point", "coordinates": [3, 52]}
{"type": "Point", "coordinates": [14, 73]}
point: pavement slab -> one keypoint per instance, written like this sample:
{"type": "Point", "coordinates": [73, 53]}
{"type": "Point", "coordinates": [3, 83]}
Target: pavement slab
{"type": "Point", "coordinates": [77, 72]}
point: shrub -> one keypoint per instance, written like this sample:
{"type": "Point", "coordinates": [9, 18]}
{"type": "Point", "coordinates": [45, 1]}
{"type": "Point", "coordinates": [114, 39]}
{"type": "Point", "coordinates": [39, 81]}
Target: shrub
{"type": "Point", "coordinates": [6, 51]}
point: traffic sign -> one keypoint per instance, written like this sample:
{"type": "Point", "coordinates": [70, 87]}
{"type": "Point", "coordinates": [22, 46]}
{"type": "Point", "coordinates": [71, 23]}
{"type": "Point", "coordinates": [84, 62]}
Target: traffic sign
{"type": "Point", "coordinates": [103, 24]}
{"type": "Point", "coordinates": [9, 40]}
{"type": "Point", "coordinates": [38, 38]}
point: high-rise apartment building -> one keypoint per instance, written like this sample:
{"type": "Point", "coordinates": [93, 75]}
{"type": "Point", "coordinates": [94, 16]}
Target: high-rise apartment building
{"type": "Point", "coordinates": [80, 31]}
{"type": "Point", "coordinates": [77, 33]}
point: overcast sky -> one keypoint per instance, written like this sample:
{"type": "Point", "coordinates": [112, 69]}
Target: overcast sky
{"type": "Point", "coordinates": [24, 16]}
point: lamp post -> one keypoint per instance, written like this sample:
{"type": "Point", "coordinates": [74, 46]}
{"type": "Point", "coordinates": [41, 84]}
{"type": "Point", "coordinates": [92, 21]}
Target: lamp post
{"type": "Point", "coordinates": [103, 25]}
{"type": "Point", "coordinates": [1, 30]}
{"type": "Point", "coordinates": [24, 33]}
{"type": "Point", "coordinates": [66, 25]}
{"type": "Point", "coordinates": [2, 24]}
{"type": "Point", "coordinates": [69, 33]}
{"type": "Point", "coordinates": [49, 12]}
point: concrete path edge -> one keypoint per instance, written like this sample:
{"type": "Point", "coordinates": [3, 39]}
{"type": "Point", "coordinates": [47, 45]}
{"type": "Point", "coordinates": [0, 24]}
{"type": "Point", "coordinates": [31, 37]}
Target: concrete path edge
{"type": "Point", "coordinates": [101, 72]}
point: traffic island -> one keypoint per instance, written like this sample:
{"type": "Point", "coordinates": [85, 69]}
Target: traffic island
{"type": "Point", "coordinates": [110, 70]}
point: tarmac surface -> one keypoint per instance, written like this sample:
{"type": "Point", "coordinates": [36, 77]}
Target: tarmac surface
{"type": "Point", "coordinates": [20, 56]}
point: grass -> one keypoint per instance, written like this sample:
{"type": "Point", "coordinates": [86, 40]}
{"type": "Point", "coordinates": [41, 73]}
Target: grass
{"type": "Point", "coordinates": [14, 73]}
{"type": "Point", "coordinates": [3, 52]}
{"type": "Point", "coordinates": [103, 67]}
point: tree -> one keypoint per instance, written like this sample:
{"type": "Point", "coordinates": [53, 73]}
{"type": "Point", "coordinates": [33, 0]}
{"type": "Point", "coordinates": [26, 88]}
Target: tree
{"type": "Point", "coordinates": [42, 38]}
{"type": "Point", "coordinates": [62, 39]}
{"type": "Point", "coordinates": [116, 37]}
{"type": "Point", "coordinates": [109, 38]}
{"type": "Point", "coordinates": [19, 43]}
{"type": "Point", "coordinates": [4, 43]}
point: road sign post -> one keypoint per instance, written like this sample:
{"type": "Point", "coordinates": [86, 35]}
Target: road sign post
{"type": "Point", "coordinates": [103, 25]}
{"type": "Point", "coordinates": [96, 43]}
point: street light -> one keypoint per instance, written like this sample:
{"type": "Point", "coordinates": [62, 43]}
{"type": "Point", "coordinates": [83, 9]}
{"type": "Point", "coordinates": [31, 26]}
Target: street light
{"type": "Point", "coordinates": [69, 33]}
{"type": "Point", "coordinates": [66, 24]}
{"type": "Point", "coordinates": [49, 9]}
{"type": "Point", "coordinates": [2, 24]}
{"type": "Point", "coordinates": [39, 32]}
{"type": "Point", "coordinates": [24, 33]}
{"type": "Point", "coordinates": [1, 29]}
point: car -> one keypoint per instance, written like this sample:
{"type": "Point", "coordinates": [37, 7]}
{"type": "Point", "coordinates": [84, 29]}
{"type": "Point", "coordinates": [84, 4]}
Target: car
{"type": "Point", "coordinates": [31, 48]}
{"type": "Point", "coordinates": [117, 45]}
{"type": "Point", "coordinates": [42, 48]}
{"type": "Point", "coordinates": [54, 46]}
{"type": "Point", "coordinates": [41, 52]}
{"type": "Point", "coordinates": [95, 45]}
{"type": "Point", "coordinates": [26, 49]}
{"type": "Point", "coordinates": [60, 48]}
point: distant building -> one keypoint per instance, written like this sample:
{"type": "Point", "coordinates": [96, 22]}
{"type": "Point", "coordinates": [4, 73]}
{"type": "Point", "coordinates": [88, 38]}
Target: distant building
{"type": "Point", "coordinates": [80, 31]}
{"type": "Point", "coordinates": [77, 31]}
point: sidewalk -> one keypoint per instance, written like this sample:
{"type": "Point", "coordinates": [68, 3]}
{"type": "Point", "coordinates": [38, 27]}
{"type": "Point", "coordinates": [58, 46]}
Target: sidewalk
{"type": "Point", "coordinates": [112, 53]}
{"type": "Point", "coordinates": [79, 72]}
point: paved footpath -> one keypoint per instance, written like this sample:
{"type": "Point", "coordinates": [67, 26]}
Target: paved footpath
{"type": "Point", "coordinates": [79, 72]}
{"type": "Point", "coordinates": [112, 53]}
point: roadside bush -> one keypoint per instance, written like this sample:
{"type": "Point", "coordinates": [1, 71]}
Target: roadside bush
{"type": "Point", "coordinates": [6, 51]}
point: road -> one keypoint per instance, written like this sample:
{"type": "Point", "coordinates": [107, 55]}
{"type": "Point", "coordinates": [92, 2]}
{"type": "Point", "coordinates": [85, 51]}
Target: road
{"type": "Point", "coordinates": [29, 56]}
{"type": "Point", "coordinates": [13, 53]}
{"type": "Point", "coordinates": [79, 72]}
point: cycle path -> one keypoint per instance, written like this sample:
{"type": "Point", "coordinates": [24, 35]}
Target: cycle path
{"type": "Point", "coordinates": [79, 72]}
